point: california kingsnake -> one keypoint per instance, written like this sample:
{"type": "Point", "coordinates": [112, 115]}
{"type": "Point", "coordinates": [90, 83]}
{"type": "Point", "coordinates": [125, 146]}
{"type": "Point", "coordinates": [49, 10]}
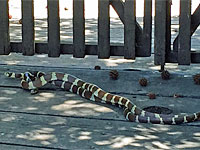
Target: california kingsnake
{"type": "Point", "coordinates": [34, 80]}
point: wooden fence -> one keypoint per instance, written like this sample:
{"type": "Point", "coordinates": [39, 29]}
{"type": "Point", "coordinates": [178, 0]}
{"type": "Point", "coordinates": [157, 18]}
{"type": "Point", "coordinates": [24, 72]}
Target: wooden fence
{"type": "Point", "coordinates": [137, 40]}
{"type": "Point", "coordinates": [181, 52]}
{"type": "Point", "coordinates": [126, 11]}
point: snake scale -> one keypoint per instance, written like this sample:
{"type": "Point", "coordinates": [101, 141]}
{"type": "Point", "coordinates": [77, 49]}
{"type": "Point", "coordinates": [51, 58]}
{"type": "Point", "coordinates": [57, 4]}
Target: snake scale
{"type": "Point", "coordinates": [34, 80]}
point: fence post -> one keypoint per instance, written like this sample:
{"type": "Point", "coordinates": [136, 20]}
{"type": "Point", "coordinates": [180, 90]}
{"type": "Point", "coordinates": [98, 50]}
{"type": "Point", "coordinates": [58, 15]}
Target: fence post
{"type": "Point", "coordinates": [53, 28]}
{"type": "Point", "coordinates": [147, 28]}
{"type": "Point", "coordinates": [4, 28]}
{"type": "Point", "coordinates": [129, 29]}
{"type": "Point", "coordinates": [160, 32]}
{"type": "Point", "coordinates": [78, 28]}
{"type": "Point", "coordinates": [28, 34]}
{"type": "Point", "coordinates": [184, 40]}
{"type": "Point", "coordinates": [103, 29]}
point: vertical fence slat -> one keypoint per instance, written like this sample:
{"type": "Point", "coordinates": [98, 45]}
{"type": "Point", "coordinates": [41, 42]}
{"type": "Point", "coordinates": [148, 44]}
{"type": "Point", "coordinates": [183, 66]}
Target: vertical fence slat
{"type": "Point", "coordinates": [160, 32]}
{"type": "Point", "coordinates": [129, 29]}
{"type": "Point", "coordinates": [103, 29]}
{"type": "Point", "coordinates": [53, 28]}
{"type": "Point", "coordinates": [184, 43]}
{"type": "Point", "coordinates": [168, 26]}
{"type": "Point", "coordinates": [28, 34]}
{"type": "Point", "coordinates": [147, 29]}
{"type": "Point", "coordinates": [78, 28]}
{"type": "Point", "coordinates": [4, 28]}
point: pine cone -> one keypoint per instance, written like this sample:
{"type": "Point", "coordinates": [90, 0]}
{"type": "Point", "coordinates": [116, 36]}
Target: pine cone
{"type": "Point", "coordinates": [97, 68]}
{"type": "Point", "coordinates": [152, 96]}
{"type": "Point", "coordinates": [114, 74]}
{"type": "Point", "coordinates": [165, 75]}
{"type": "Point", "coordinates": [143, 82]}
{"type": "Point", "coordinates": [196, 79]}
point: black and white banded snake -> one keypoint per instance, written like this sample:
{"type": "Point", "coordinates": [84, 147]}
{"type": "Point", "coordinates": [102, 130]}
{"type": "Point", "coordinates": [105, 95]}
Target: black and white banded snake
{"type": "Point", "coordinates": [34, 80]}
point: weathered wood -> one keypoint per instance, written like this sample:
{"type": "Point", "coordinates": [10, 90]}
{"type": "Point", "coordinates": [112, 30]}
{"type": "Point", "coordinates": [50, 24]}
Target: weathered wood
{"type": "Point", "coordinates": [28, 33]}
{"type": "Point", "coordinates": [184, 43]}
{"type": "Point", "coordinates": [129, 29]}
{"type": "Point", "coordinates": [63, 133]}
{"type": "Point", "coordinates": [58, 132]}
{"type": "Point", "coordinates": [126, 84]}
{"type": "Point", "coordinates": [4, 28]}
{"type": "Point", "coordinates": [53, 28]}
{"type": "Point", "coordinates": [168, 27]}
{"type": "Point", "coordinates": [147, 28]}
{"type": "Point", "coordinates": [78, 28]}
{"type": "Point", "coordinates": [118, 6]}
{"type": "Point", "coordinates": [195, 57]}
{"type": "Point", "coordinates": [90, 49]}
{"type": "Point", "coordinates": [54, 119]}
{"type": "Point", "coordinates": [160, 32]}
{"type": "Point", "coordinates": [195, 22]}
{"type": "Point", "coordinates": [15, 146]}
{"type": "Point", "coordinates": [103, 29]}
{"type": "Point", "coordinates": [61, 104]}
{"type": "Point", "coordinates": [172, 58]}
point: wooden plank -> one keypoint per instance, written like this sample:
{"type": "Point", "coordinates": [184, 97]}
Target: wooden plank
{"type": "Point", "coordinates": [15, 146]}
{"type": "Point", "coordinates": [160, 37]}
{"type": "Point", "coordinates": [103, 29]}
{"type": "Point", "coordinates": [177, 85]}
{"type": "Point", "coordinates": [195, 22]}
{"type": "Point", "coordinates": [54, 116]}
{"type": "Point", "coordinates": [28, 33]}
{"type": "Point", "coordinates": [78, 28]}
{"type": "Point", "coordinates": [168, 26]}
{"type": "Point", "coordinates": [118, 6]}
{"type": "Point", "coordinates": [62, 133]}
{"type": "Point", "coordinates": [147, 28]}
{"type": "Point", "coordinates": [129, 29]}
{"type": "Point", "coordinates": [62, 103]}
{"type": "Point", "coordinates": [184, 43]}
{"type": "Point", "coordinates": [53, 28]}
{"type": "Point", "coordinates": [172, 57]}
{"type": "Point", "coordinates": [90, 49]}
{"type": "Point", "coordinates": [4, 28]}
{"type": "Point", "coordinates": [59, 120]}
{"type": "Point", "coordinates": [168, 33]}
{"type": "Point", "coordinates": [195, 57]}
{"type": "Point", "coordinates": [58, 132]}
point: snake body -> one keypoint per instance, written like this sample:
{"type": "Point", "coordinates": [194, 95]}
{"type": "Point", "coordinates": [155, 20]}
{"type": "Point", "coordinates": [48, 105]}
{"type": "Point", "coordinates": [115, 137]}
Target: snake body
{"type": "Point", "coordinates": [35, 80]}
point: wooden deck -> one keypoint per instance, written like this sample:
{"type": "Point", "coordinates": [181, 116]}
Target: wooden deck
{"type": "Point", "coordinates": [55, 119]}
